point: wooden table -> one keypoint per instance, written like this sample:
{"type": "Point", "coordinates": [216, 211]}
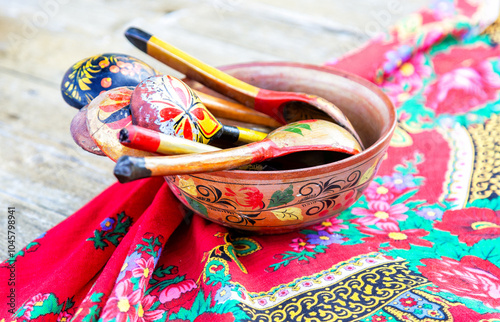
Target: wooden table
{"type": "Point", "coordinates": [44, 175]}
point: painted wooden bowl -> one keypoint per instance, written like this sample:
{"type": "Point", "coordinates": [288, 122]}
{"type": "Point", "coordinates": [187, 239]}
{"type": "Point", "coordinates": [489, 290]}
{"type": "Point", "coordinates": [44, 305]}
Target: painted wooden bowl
{"type": "Point", "coordinates": [280, 201]}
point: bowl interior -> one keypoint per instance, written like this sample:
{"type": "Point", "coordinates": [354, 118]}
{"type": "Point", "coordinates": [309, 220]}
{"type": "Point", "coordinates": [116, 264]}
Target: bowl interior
{"type": "Point", "coordinates": [368, 109]}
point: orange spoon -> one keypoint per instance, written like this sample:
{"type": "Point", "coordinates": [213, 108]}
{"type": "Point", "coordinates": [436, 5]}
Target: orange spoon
{"type": "Point", "coordinates": [284, 107]}
{"type": "Point", "coordinates": [307, 135]}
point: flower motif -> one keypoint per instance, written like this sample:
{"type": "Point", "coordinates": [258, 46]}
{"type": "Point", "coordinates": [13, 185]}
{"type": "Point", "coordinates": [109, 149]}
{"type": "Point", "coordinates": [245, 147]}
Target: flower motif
{"type": "Point", "coordinates": [223, 294]}
{"type": "Point", "coordinates": [379, 318]}
{"type": "Point", "coordinates": [121, 305]}
{"type": "Point", "coordinates": [463, 88]}
{"type": "Point", "coordinates": [324, 238]}
{"type": "Point", "coordinates": [262, 302]}
{"type": "Point", "coordinates": [409, 301]}
{"type": "Point", "coordinates": [36, 300]}
{"type": "Point", "coordinates": [430, 213]}
{"type": "Point", "coordinates": [394, 58]}
{"type": "Point", "coordinates": [471, 224]}
{"type": "Point", "coordinates": [307, 284]}
{"type": "Point", "coordinates": [144, 270]}
{"type": "Point", "coordinates": [331, 225]}
{"type": "Point", "coordinates": [64, 317]}
{"type": "Point", "coordinates": [384, 192]}
{"type": "Point", "coordinates": [145, 313]}
{"type": "Point", "coordinates": [128, 264]}
{"type": "Point", "coordinates": [400, 181]}
{"type": "Point", "coordinates": [380, 211]}
{"type": "Point", "coordinates": [107, 224]}
{"type": "Point", "coordinates": [471, 277]}
{"type": "Point", "coordinates": [299, 244]}
{"type": "Point", "coordinates": [404, 81]}
{"type": "Point", "coordinates": [179, 293]}
{"type": "Point", "coordinates": [253, 197]}
{"type": "Point", "coordinates": [395, 237]}
{"type": "Point", "coordinates": [283, 292]}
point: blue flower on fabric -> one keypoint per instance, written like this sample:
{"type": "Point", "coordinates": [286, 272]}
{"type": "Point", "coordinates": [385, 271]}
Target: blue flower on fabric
{"type": "Point", "coordinates": [430, 213]}
{"type": "Point", "coordinates": [129, 264]}
{"type": "Point", "coordinates": [396, 57]}
{"type": "Point", "coordinates": [400, 181]}
{"type": "Point", "coordinates": [107, 224]}
{"type": "Point", "coordinates": [223, 294]}
{"type": "Point", "coordinates": [324, 238]}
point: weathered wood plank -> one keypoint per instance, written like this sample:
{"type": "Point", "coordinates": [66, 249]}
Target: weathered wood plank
{"type": "Point", "coordinates": [42, 171]}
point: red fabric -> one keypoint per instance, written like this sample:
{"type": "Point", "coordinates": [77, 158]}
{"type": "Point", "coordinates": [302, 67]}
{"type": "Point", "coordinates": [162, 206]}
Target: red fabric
{"type": "Point", "coordinates": [421, 244]}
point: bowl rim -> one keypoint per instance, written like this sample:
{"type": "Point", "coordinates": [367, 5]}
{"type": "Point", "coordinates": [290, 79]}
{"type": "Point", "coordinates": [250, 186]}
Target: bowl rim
{"type": "Point", "coordinates": [372, 150]}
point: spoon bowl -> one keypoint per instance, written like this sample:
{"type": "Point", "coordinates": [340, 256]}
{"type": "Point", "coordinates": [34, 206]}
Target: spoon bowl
{"type": "Point", "coordinates": [283, 106]}
{"type": "Point", "coordinates": [89, 77]}
{"type": "Point", "coordinates": [267, 202]}
{"type": "Point", "coordinates": [306, 135]}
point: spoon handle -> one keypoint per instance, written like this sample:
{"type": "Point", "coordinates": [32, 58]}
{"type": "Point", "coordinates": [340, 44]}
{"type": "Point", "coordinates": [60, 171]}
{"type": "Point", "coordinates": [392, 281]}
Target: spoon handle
{"type": "Point", "coordinates": [192, 67]}
{"type": "Point", "coordinates": [129, 168]}
{"type": "Point", "coordinates": [234, 111]}
{"type": "Point", "coordinates": [144, 139]}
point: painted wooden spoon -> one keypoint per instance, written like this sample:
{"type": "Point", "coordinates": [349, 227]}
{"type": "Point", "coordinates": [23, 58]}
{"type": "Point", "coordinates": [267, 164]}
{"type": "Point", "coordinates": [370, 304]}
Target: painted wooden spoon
{"type": "Point", "coordinates": [166, 104]}
{"type": "Point", "coordinates": [307, 135]}
{"type": "Point", "coordinates": [89, 77]}
{"type": "Point", "coordinates": [284, 107]}
{"type": "Point", "coordinates": [107, 114]}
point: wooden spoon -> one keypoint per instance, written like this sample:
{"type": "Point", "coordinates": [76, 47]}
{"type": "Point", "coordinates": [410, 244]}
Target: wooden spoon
{"type": "Point", "coordinates": [284, 107]}
{"type": "Point", "coordinates": [80, 133]}
{"type": "Point", "coordinates": [89, 77]}
{"type": "Point", "coordinates": [307, 135]}
{"type": "Point", "coordinates": [168, 105]}
{"type": "Point", "coordinates": [107, 114]}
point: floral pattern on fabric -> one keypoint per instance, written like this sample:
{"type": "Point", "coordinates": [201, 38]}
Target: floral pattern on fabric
{"type": "Point", "coordinates": [420, 244]}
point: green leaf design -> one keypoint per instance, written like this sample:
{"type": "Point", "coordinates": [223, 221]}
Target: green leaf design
{"type": "Point", "coordinates": [163, 284]}
{"type": "Point", "coordinates": [204, 305]}
{"type": "Point", "coordinates": [96, 297]}
{"type": "Point", "coordinates": [102, 239]}
{"type": "Point", "coordinates": [281, 197]}
{"type": "Point", "coordinates": [123, 223]}
{"type": "Point", "coordinates": [249, 246]}
{"type": "Point", "coordinates": [22, 252]}
{"type": "Point", "coordinates": [50, 305]}
{"type": "Point", "coordinates": [94, 313]}
{"type": "Point", "coordinates": [162, 271]}
{"type": "Point", "coordinates": [487, 249]}
{"type": "Point", "coordinates": [414, 204]}
{"type": "Point", "coordinates": [99, 243]}
{"type": "Point", "coordinates": [493, 204]}
{"type": "Point", "coordinates": [197, 206]}
{"type": "Point", "coordinates": [297, 128]}
{"type": "Point", "coordinates": [199, 306]}
{"type": "Point", "coordinates": [415, 222]}
{"type": "Point", "coordinates": [150, 245]}
{"type": "Point", "coordinates": [217, 277]}
{"type": "Point", "coordinates": [405, 196]}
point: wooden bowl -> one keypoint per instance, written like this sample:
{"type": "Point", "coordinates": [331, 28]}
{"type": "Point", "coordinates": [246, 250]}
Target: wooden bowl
{"type": "Point", "coordinates": [281, 201]}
